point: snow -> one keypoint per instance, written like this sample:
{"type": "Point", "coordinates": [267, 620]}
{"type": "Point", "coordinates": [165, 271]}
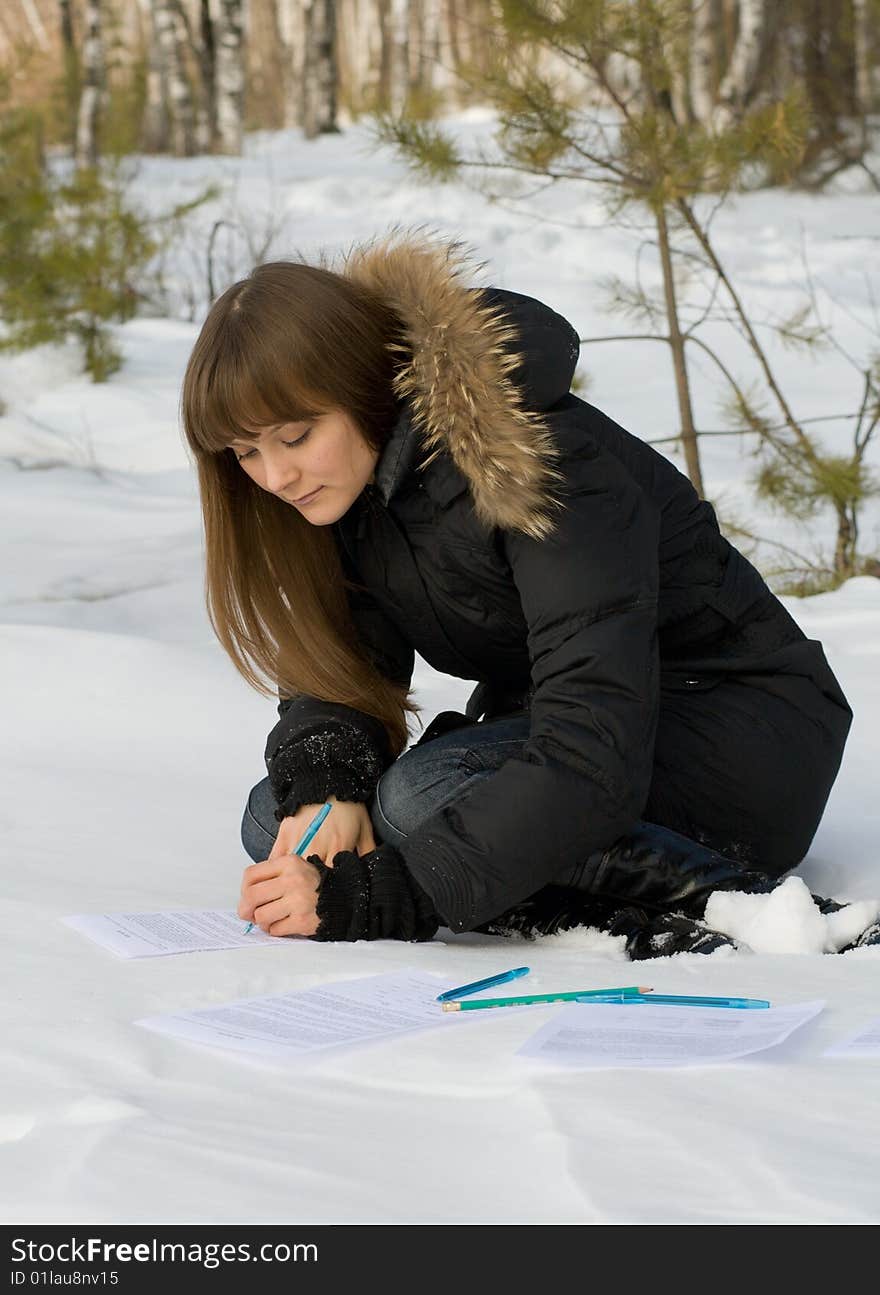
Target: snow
{"type": "Point", "coordinates": [132, 743]}
{"type": "Point", "coordinates": [788, 920]}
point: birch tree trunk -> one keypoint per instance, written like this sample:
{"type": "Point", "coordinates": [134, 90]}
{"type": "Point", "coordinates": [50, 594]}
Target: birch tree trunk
{"type": "Point", "coordinates": [435, 69]}
{"type": "Point", "coordinates": [201, 31]}
{"type": "Point", "coordinates": [292, 34]}
{"type": "Point", "coordinates": [171, 80]}
{"type": "Point", "coordinates": [397, 54]}
{"type": "Point", "coordinates": [469, 26]}
{"type": "Point", "coordinates": [444, 73]}
{"type": "Point", "coordinates": [91, 96]}
{"type": "Point", "coordinates": [739, 79]}
{"type": "Point", "coordinates": [862, 59]}
{"type": "Point", "coordinates": [705, 15]}
{"type": "Point", "coordinates": [624, 74]}
{"type": "Point", "coordinates": [368, 49]}
{"type": "Point", "coordinates": [66, 25]}
{"type": "Point", "coordinates": [679, 83]}
{"type": "Point", "coordinates": [69, 60]}
{"type": "Point", "coordinates": [154, 123]}
{"type": "Point", "coordinates": [6, 42]}
{"type": "Point", "coordinates": [35, 22]}
{"type": "Point", "coordinates": [228, 29]}
{"type": "Point", "coordinates": [460, 32]}
{"type": "Point", "coordinates": [319, 68]}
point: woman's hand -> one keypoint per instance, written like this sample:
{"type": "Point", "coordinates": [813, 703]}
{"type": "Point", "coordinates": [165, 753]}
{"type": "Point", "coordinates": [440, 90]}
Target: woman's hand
{"type": "Point", "coordinates": [346, 827]}
{"type": "Point", "coordinates": [280, 894]}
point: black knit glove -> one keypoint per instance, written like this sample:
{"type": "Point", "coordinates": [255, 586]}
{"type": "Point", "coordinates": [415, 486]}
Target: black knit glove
{"type": "Point", "coordinates": [331, 759]}
{"type": "Point", "coordinates": [372, 897]}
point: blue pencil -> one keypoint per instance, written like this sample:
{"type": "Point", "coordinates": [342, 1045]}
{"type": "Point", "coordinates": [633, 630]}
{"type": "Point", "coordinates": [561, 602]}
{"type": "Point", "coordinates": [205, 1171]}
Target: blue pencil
{"type": "Point", "coordinates": [307, 838]}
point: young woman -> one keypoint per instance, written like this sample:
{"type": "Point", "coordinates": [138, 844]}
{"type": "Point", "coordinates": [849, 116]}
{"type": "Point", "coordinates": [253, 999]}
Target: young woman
{"type": "Point", "coordinates": [390, 463]}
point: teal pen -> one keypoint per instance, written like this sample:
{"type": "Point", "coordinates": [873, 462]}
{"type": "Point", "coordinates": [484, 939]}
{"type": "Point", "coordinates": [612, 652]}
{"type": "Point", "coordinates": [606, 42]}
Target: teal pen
{"type": "Point", "coordinates": [500, 979]}
{"type": "Point", "coordinates": [611, 995]}
{"type": "Point", "coordinates": [307, 838]}
{"type": "Point", "coordinates": [676, 1000]}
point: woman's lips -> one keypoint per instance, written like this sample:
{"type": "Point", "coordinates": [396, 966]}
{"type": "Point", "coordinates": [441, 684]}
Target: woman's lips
{"type": "Point", "coordinates": [307, 499]}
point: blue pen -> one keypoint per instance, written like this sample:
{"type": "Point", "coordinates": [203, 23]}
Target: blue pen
{"type": "Point", "coordinates": [500, 979]}
{"type": "Point", "coordinates": [306, 840]}
{"type": "Point", "coordinates": [677, 1000]}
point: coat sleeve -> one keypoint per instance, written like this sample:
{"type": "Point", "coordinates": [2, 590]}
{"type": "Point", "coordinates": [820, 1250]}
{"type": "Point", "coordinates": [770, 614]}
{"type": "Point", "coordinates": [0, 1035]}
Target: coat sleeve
{"type": "Point", "coordinates": [320, 748]}
{"type": "Point", "coordinates": [589, 598]}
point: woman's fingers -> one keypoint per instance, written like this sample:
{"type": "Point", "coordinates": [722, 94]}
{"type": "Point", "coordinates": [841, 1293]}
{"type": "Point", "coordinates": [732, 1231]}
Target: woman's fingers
{"type": "Point", "coordinates": [289, 890]}
{"type": "Point", "coordinates": [295, 926]}
{"type": "Point", "coordinates": [262, 871]}
{"type": "Point", "coordinates": [256, 875]}
{"type": "Point", "coordinates": [263, 882]}
{"type": "Point", "coordinates": [275, 911]}
{"type": "Point", "coordinates": [292, 914]}
{"type": "Point", "coordinates": [262, 892]}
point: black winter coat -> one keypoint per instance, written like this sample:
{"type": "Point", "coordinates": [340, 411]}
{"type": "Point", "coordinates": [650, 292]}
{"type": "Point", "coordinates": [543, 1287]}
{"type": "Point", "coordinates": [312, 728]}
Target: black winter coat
{"type": "Point", "coordinates": [633, 586]}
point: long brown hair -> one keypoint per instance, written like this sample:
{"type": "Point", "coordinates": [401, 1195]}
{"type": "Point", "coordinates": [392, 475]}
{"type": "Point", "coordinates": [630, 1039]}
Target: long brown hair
{"type": "Point", "coordinates": [287, 343]}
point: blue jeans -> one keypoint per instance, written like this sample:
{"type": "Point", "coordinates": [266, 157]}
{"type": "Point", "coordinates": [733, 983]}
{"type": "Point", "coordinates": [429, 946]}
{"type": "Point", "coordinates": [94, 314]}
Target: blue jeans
{"type": "Point", "coordinates": [418, 783]}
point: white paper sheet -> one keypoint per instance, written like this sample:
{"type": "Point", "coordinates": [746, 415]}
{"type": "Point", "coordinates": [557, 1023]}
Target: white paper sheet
{"type": "Point", "coordinates": [288, 1026]}
{"type": "Point", "coordinates": [151, 935]}
{"type": "Point", "coordinates": [597, 1036]}
{"type": "Point", "coordinates": [866, 1043]}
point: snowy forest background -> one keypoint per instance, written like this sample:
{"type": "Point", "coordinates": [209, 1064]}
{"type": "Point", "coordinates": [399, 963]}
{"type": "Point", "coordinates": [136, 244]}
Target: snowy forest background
{"type": "Point", "coordinates": [190, 76]}
{"type": "Point", "coordinates": [656, 112]}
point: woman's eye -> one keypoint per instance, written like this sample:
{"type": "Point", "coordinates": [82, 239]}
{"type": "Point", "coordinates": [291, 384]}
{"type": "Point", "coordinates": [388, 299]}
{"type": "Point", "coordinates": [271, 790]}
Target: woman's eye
{"type": "Point", "coordinates": [290, 444]}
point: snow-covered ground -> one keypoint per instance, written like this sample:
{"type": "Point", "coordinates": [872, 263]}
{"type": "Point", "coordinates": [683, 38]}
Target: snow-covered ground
{"type": "Point", "coordinates": [131, 744]}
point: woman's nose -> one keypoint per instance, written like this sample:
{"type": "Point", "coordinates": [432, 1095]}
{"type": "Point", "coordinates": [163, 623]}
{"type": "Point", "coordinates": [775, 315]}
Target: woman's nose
{"type": "Point", "coordinates": [279, 474]}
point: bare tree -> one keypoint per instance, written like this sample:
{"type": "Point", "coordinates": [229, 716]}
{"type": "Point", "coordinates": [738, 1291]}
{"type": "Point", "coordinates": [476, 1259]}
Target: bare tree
{"type": "Point", "coordinates": [154, 123]}
{"type": "Point", "coordinates": [396, 48]}
{"type": "Point", "coordinates": [434, 49]}
{"type": "Point", "coordinates": [177, 121]}
{"type": "Point", "coordinates": [290, 19]}
{"type": "Point", "coordinates": [66, 15]}
{"type": "Point", "coordinates": [366, 61]}
{"type": "Point", "coordinates": [35, 23]}
{"type": "Point", "coordinates": [227, 21]}
{"type": "Point", "coordinates": [200, 30]}
{"type": "Point", "coordinates": [862, 59]}
{"type": "Point", "coordinates": [196, 40]}
{"type": "Point", "coordinates": [91, 97]}
{"type": "Point", "coordinates": [705, 16]}
{"type": "Point", "coordinates": [319, 68]}
{"type": "Point", "coordinates": [69, 59]}
{"type": "Point", "coordinates": [742, 71]}
{"type": "Point", "coordinates": [459, 28]}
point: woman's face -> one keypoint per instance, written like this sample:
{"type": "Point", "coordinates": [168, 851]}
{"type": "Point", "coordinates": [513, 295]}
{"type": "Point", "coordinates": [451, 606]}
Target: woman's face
{"type": "Point", "coordinates": [319, 466]}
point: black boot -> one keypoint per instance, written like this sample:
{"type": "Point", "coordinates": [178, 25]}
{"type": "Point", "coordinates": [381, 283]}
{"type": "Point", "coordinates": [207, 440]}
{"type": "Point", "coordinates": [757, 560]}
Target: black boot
{"type": "Point", "coordinates": [660, 935]}
{"type": "Point", "coordinates": [551, 910]}
{"type": "Point", "coordinates": [656, 935]}
{"type": "Point", "coordinates": [660, 870]}
{"type": "Point", "coordinates": [868, 938]}
{"type": "Point", "coordinates": [653, 863]}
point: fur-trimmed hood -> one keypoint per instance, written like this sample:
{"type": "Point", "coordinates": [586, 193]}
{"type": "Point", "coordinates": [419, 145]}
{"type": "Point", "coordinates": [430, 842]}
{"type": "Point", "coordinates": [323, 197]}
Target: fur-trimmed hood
{"type": "Point", "coordinates": [481, 368]}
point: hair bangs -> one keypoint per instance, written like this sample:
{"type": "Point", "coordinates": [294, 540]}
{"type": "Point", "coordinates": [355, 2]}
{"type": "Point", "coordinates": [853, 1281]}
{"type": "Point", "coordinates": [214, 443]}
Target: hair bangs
{"type": "Point", "coordinates": [244, 382]}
